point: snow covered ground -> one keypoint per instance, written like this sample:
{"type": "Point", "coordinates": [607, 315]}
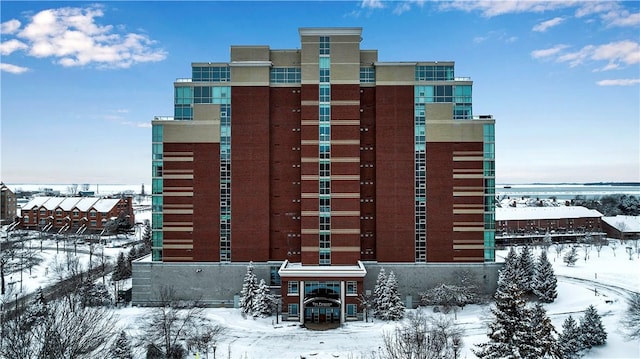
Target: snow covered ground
{"type": "Point", "coordinates": [604, 280]}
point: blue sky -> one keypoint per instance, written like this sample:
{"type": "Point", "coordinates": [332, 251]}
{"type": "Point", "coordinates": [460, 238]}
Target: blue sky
{"type": "Point", "coordinates": [81, 81]}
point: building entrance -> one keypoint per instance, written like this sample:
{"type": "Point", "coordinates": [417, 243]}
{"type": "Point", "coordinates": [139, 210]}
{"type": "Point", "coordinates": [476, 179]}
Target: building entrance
{"type": "Point", "coordinates": [322, 315]}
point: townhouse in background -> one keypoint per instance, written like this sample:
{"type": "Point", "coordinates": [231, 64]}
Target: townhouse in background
{"type": "Point", "coordinates": [77, 214]}
{"type": "Point", "coordinates": [320, 165]}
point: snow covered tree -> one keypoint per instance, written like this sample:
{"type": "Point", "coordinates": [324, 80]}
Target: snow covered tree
{"type": "Point", "coordinates": [121, 347]}
{"type": "Point", "coordinates": [569, 340]}
{"type": "Point", "coordinates": [171, 322]}
{"type": "Point", "coordinates": [544, 281]}
{"type": "Point", "coordinates": [249, 290]}
{"type": "Point", "coordinates": [390, 306]}
{"type": "Point", "coordinates": [381, 282]}
{"type": "Point", "coordinates": [94, 294]}
{"type": "Point", "coordinates": [448, 296]}
{"type": "Point", "coordinates": [510, 333]}
{"type": "Point", "coordinates": [509, 269]}
{"type": "Point", "coordinates": [544, 333]}
{"type": "Point", "coordinates": [422, 336]}
{"type": "Point", "coordinates": [571, 257]}
{"type": "Point", "coordinates": [631, 320]}
{"type": "Point", "coordinates": [122, 269]}
{"type": "Point", "coordinates": [262, 301]}
{"type": "Point", "coordinates": [592, 331]}
{"type": "Point", "coordinates": [37, 311]}
{"type": "Point", "coordinates": [525, 269]}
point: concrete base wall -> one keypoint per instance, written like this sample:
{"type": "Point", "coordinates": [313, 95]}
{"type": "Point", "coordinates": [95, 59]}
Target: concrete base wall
{"type": "Point", "coordinates": [219, 284]}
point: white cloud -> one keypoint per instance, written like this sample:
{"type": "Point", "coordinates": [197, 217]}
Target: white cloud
{"type": "Point", "coordinates": [545, 25]}
{"type": "Point", "coordinates": [9, 27]}
{"type": "Point", "coordinates": [73, 38]}
{"type": "Point", "coordinates": [621, 18]}
{"type": "Point", "coordinates": [494, 8]}
{"type": "Point", "coordinates": [495, 36]}
{"type": "Point", "coordinates": [619, 82]}
{"type": "Point", "coordinates": [372, 4]}
{"type": "Point", "coordinates": [627, 52]}
{"type": "Point", "coordinates": [617, 54]}
{"type": "Point", "coordinates": [537, 54]}
{"type": "Point", "coordinates": [14, 69]}
{"type": "Point", "coordinates": [610, 12]}
{"type": "Point", "coordinates": [7, 47]}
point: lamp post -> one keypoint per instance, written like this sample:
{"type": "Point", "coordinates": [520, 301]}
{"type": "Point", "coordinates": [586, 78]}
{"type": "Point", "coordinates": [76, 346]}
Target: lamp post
{"type": "Point", "coordinates": [214, 350]}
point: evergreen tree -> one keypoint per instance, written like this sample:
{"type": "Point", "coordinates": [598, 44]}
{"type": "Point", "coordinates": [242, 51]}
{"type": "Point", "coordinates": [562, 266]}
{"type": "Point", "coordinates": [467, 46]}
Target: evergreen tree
{"type": "Point", "coordinates": [146, 237]}
{"type": "Point", "coordinates": [262, 302]}
{"type": "Point", "coordinates": [37, 312]}
{"type": "Point", "coordinates": [249, 290]}
{"type": "Point", "coordinates": [390, 306]}
{"type": "Point", "coordinates": [569, 340]}
{"type": "Point", "coordinates": [509, 333]}
{"type": "Point", "coordinates": [121, 348]}
{"type": "Point", "coordinates": [592, 331]}
{"type": "Point", "coordinates": [381, 282]}
{"type": "Point", "coordinates": [525, 270]}
{"type": "Point", "coordinates": [571, 257]}
{"type": "Point", "coordinates": [544, 281]}
{"type": "Point", "coordinates": [509, 269]}
{"type": "Point", "coordinates": [94, 294]}
{"type": "Point", "coordinates": [543, 333]}
{"type": "Point", "coordinates": [122, 270]}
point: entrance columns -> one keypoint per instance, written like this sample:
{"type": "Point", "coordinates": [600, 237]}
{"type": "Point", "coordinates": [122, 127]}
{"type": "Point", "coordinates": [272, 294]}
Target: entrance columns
{"type": "Point", "coordinates": [301, 308]}
{"type": "Point", "coordinates": [342, 301]}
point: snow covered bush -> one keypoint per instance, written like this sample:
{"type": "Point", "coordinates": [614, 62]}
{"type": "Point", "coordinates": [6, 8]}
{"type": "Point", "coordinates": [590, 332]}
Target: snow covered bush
{"type": "Point", "coordinates": [121, 348]}
{"type": "Point", "coordinates": [571, 257]}
{"type": "Point", "coordinates": [631, 320]}
{"type": "Point", "coordinates": [448, 296]}
{"type": "Point", "coordinates": [422, 336]}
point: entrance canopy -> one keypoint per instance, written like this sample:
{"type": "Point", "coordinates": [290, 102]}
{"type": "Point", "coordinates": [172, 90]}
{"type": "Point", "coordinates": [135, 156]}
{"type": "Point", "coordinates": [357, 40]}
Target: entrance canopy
{"type": "Point", "coordinates": [297, 270]}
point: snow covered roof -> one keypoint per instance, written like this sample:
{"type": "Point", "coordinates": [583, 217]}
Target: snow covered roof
{"type": "Point", "coordinates": [624, 223]}
{"type": "Point", "coordinates": [36, 202]}
{"type": "Point", "coordinates": [85, 203]}
{"type": "Point", "coordinates": [298, 270]}
{"type": "Point", "coordinates": [105, 204]}
{"type": "Point", "coordinates": [69, 203]}
{"type": "Point", "coordinates": [533, 213]}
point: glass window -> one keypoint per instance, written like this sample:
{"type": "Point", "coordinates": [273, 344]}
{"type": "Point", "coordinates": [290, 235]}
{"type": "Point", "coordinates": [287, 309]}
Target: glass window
{"type": "Point", "coordinates": [293, 309]}
{"type": "Point", "coordinates": [325, 93]}
{"type": "Point", "coordinates": [352, 288]}
{"type": "Point", "coordinates": [275, 277]}
{"type": "Point", "coordinates": [156, 135]}
{"type": "Point", "coordinates": [325, 257]}
{"type": "Point", "coordinates": [434, 73]}
{"type": "Point", "coordinates": [285, 75]}
{"type": "Point", "coordinates": [367, 75]}
{"type": "Point", "coordinates": [292, 288]}
{"type": "Point", "coordinates": [324, 45]}
{"type": "Point", "coordinates": [211, 73]}
{"type": "Point", "coordinates": [352, 310]}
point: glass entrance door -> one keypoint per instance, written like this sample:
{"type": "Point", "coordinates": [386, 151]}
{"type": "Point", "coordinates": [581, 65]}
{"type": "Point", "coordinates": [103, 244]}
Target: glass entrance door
{"type": "Point", "coordinates": [322, 315]}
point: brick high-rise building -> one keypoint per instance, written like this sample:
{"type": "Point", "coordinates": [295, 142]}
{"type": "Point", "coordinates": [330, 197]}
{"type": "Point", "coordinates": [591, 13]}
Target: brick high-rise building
{"type": "Point", "coordinates": [319, 161]}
